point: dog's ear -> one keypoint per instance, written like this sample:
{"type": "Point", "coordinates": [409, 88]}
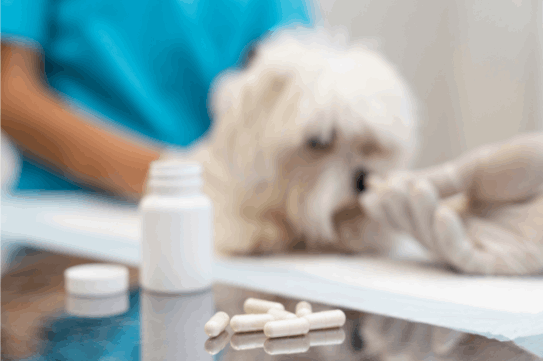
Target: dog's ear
{"type": "Point", "coordinates": [262, 93]}
{"type": "Point", "coordinates": [245, 97]}
{"type": "Point", "coordinates": [257, 125]}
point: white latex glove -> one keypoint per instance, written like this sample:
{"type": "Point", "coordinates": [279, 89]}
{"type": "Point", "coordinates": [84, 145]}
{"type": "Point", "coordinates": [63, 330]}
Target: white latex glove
{"type": "Point", "coordinates": [494, 222]}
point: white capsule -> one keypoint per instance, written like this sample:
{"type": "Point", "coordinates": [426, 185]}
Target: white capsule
{"type": "Point", "coordinates": [281, 314]}
{"type": "Point", "coordinates": [283, 328]}
{"type": "Point", "coordinates": [325, 319]}
{"type": "Point", "coordinates": [251, 322]}
{"type": "Point", "coordinates": [303, 308]}
{"type": "Point", "coordinates": [289, 345]}
{"type": "Point", "coordinates": [215, 345]}
{"type": "Point", "coordinates": [248, 341]}
{"type": "Point", "coordinates": [303, 312]}
{"type": "Point", "coordinates": [254, 305]}
{"type": "Point", "coordinates": [216, 324]}
{"type": "Point", "coordinates": [326, 337]}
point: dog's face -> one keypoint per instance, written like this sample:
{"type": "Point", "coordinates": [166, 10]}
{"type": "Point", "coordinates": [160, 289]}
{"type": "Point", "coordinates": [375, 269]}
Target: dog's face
{"type": "Point", "coordinates": [304, 126]}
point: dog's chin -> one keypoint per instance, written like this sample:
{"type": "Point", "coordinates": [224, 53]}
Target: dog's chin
{"type": "Point", "coordinates": [350, 230]}
{"type": "Point", "coordinates": [348, 213]}
{"type": "Point", "coordinates": [352, 233]}
{"type": "Point", "coordinates": [356, 233]}
{"type": "Point", "coordinates": [326, 230]}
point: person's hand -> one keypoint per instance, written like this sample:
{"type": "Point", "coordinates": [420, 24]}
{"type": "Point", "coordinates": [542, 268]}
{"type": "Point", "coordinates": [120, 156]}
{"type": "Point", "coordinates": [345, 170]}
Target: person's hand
{"type": "Point", "coordinates": [492, 225]}
{"type": "Point", "coordinates": [65, 141]}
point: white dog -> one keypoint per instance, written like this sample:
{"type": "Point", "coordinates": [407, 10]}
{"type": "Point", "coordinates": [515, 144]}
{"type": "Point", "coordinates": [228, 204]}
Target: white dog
{"type": "Point", "coordinates": [295, 135]}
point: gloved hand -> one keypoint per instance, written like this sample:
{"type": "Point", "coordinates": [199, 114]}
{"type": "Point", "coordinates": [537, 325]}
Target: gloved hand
{"type": "Point", "coordinates": [481, 213]}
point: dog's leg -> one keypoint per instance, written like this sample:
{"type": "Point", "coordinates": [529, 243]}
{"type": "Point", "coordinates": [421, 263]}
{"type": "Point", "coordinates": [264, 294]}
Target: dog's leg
{"type": "Point", "coordinates": [275, 234]}
{"type": "Point", "coordinates": [249, 233]}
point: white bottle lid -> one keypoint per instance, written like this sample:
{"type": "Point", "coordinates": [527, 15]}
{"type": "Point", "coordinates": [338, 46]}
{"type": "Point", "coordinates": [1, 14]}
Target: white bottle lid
{"type": "Point", "coordinates": [96, 280]}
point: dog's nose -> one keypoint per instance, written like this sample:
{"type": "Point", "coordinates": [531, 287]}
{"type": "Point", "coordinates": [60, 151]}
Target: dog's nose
{"type": "Point", "coordinates": [359, 180]}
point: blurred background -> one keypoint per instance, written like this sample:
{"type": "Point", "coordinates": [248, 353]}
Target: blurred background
{"type": "Point", "coordinates": [476, 67]}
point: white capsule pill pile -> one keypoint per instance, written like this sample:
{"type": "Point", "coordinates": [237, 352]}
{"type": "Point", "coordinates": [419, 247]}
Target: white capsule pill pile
{"type": "Point", "coordinates": [250, 322]}
{"type": "Point", "coordinates": [325, 319]}
{"type": "Point", "coordinates": [216, 324]}
{"type": "Point", "coordinates": [303, 308]}
{"type": "Point", "coordinates": [281, 314]}
{"type": "Point", "coordinates": [253, 305]}
{"type": "Point", "coordinates": [268, 325]}
{"type": "Point", "coordinates": [284, 328]}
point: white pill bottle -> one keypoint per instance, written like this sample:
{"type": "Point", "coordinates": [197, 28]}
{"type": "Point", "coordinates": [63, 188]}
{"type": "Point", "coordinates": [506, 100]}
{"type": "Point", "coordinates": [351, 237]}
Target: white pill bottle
{"type": "Point", "coordinates": [177, 230]}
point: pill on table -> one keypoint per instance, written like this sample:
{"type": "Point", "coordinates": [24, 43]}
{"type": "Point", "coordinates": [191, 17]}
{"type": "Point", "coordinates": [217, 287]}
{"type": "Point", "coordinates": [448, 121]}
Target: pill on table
{"type": "Point", "coordinates": [216, 324]}
{"type": "Point", "coordinates": [289, 345]}
{"type": "Point", "coordinates": [326, 337]}
{"type": "Point", "coordinates": [281, 314]}
{"type": "Point", "coordinates": [250, 322]}
{"type": "Point", "coordinates": [283, 328]}
{"type": "Point", "coordinates": [215, 345]}
{"type": "Point", "coordinates": [303, 312]}
{"type": "Point", "coordinates": [248, 341]}
{"type": "Point", "coordinates": [325, 319]}
{"type": "Point", "coordinates": [303, 308]}
{"type": "Point", "coordinates": [254, 305]}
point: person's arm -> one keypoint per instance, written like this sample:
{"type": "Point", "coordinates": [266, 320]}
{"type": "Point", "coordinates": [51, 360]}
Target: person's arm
{"type": "Point", "coordinates": [37, 120]}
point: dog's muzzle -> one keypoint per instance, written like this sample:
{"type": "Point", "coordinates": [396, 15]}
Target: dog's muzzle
{"type": "Point", "coordinates": [359, 179]}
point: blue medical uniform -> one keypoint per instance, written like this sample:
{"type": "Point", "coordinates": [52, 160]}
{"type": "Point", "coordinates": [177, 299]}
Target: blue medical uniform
{"type": "Point", "coordinates": [143, 66]}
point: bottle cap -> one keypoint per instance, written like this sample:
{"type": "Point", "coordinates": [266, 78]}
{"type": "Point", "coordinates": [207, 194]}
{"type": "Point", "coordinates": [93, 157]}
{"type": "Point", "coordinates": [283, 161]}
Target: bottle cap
{"type": "Point", "coordinates": [96, 280]}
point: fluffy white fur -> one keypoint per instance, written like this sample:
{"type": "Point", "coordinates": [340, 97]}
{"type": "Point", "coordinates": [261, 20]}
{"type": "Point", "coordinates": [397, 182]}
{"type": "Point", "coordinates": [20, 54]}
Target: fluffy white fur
{"type": "Point", "coordinates": [273, 190]}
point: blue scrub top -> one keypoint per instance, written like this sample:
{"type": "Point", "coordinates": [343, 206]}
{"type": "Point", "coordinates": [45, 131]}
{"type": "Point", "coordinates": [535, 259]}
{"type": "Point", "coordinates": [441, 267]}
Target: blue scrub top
{"type": "Point", "coordinates": [142, 65]}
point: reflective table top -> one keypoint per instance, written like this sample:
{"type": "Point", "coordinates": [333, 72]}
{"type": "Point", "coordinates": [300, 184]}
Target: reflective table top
{"type": "Point", "coordinates": [41, 322]}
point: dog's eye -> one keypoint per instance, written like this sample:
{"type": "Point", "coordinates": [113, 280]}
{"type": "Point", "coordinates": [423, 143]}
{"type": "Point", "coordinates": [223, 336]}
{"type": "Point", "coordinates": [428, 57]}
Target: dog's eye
{"type": "Point", "coordinates": [317, 144]}
{"type": "Point", "coordinates": [370, 149]}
